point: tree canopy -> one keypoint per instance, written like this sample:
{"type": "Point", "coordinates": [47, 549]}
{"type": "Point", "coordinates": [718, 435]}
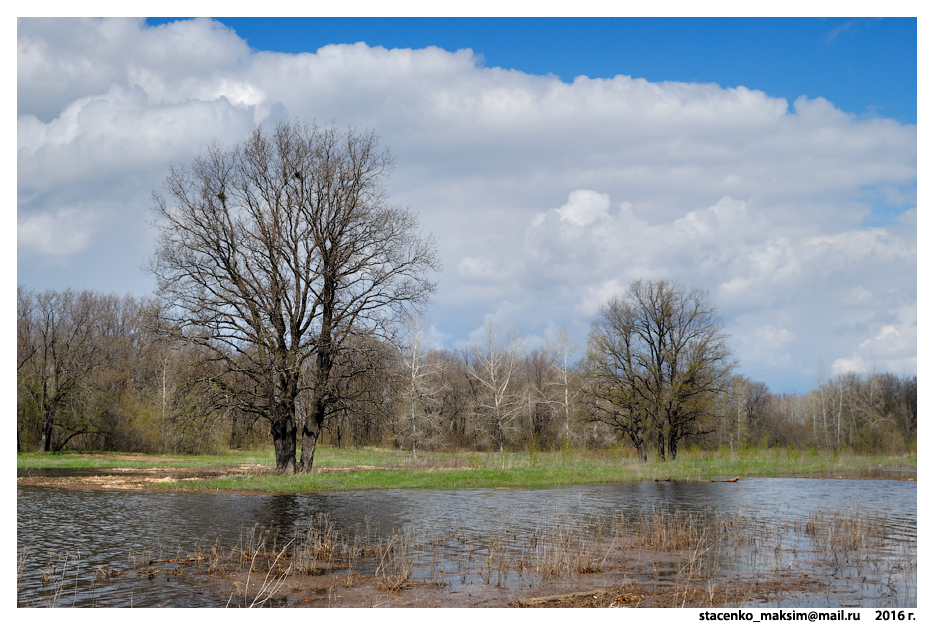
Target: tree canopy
{"type": "Point", "coordinates": [657, 359]}
{"type": "Point", "coordinates": [275, 253]}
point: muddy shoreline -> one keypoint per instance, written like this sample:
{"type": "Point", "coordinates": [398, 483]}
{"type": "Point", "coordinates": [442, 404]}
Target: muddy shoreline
{"type": "Point", "coordinates": [611, 589]}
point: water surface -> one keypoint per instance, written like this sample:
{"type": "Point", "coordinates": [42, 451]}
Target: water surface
{"type": "Point", "coordinates": [105, 528]}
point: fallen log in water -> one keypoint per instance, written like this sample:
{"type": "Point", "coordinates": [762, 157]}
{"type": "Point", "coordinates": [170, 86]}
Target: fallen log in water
{"type": "Point", "coordinates": [731, 480]}
{"type": "Point", "coordinates": [196, 558]}
{"type": "Point", "coordinates": [560, 599]}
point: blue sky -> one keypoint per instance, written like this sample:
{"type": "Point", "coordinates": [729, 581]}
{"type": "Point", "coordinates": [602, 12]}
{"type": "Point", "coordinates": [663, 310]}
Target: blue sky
{"type": "Point", "coordinates": [863, 65]}
{"type": "Point", "coordinates": [772, 162]}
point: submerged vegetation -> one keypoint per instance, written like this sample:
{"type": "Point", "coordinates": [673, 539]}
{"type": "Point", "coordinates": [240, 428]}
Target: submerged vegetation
{"type": "Point", "coordinates": [655, 558]}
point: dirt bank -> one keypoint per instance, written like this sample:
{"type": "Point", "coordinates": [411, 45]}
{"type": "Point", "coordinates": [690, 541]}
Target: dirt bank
{"type": "Point", "coordinates": [145, 478]}
{"type": "Point", "coordinates": [130, 478]}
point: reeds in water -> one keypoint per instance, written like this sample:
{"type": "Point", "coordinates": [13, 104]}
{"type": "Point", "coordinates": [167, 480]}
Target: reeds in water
{"type": "Point", "coordinates": [395, 568]}
{"type": "Point", "coordinates": [699, 550]}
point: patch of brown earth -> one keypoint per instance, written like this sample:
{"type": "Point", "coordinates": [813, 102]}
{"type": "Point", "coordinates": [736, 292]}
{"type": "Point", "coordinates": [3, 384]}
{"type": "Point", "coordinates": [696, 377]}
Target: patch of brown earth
{"type": "Point", "coordinates": [134, 478]}
{"type": "Point", "coordinates": [144, 478]}
{"type": "Point", "coordinates": [730, 593]}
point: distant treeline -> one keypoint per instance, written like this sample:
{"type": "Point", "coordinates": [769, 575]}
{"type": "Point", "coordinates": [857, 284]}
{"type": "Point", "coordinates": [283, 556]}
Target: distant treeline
{"type": "Point", "coordinates": [101, 372]}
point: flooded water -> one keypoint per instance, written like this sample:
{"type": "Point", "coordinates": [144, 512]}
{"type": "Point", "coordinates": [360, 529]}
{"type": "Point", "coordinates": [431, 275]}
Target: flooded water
{"type": "Point", "coordinates": [66, 538]}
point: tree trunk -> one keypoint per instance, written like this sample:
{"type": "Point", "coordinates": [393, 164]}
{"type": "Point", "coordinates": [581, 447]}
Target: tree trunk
{"type": "Point", "coordinates": [413, 424]}
{"type": "Point", "coordinates": [283, 430]}
{"type": "Point", "coordinates": [315, 419]}
{"type": "Point", "coordinates": [45, 440]}
{"type": "Point", "coordinates": [637, 439]}
{"type": "Point", "coordinates": [233, 440]}
{"type": "Point", "coordinates": [674, 443]}
{"type": "Point", "coordinates": [324, 362]}
{"type": "Point", "coordinates": [310, 437]}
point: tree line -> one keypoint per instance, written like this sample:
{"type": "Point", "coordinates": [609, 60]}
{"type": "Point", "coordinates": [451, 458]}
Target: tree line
{"type": "Point", "coordinates": [288, 308]}
{"type": "Point", "coordinates": [95, 372]}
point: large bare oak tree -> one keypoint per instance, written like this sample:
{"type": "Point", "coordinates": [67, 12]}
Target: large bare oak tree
{"type": "Point", "coordinates": [275, 253]}
{"type": "Point", "coordinates": [657, 359]}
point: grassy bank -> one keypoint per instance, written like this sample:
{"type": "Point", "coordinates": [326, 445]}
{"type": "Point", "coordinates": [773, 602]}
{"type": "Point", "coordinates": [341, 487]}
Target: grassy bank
{"type": "Point", "coordinates": [518, 471]}
{"type": "Point", "coordinates": [375, 468]}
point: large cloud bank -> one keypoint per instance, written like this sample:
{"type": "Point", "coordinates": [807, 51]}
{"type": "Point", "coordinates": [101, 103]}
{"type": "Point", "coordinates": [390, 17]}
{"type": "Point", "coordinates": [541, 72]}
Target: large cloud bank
{"type": "Point", "coordinates": [546, 197]}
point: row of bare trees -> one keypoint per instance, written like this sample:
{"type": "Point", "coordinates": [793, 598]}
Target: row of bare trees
{"type": "Point", "coordinates": [872, 412]}
{"type": "Point", "coordinates": [492, 395]}
{"type": "Point", "coordinates": [95, 372]}
{"type": "Point", "coordinates": [101, 371]}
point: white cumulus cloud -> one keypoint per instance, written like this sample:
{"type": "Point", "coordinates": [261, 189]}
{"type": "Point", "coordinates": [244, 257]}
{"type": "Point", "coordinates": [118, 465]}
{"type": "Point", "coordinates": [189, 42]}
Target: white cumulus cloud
{"type": "Point", "coordinates": [761, 201]}
{"type": "Point", "coordinates": [584, 207]}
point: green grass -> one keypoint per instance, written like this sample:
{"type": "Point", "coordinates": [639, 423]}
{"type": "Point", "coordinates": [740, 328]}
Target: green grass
{"type": "Point", "coordinates": [526, 478]}
{"type": "Point", "coordinates": [378, 468]}
{"type": "Point", "coordinates": [105, 460]}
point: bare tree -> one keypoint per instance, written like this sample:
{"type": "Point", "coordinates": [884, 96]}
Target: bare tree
{"type": "Point", "coordinates": [458, 395]}
{"type": "Point", "coordinates": [26, 349]}
{"type": "Point", "coordinates": [756, 405]}
{"type": "Point", "coordinates": [57, 352]}
{"type": "Point", "coordinates": [564, 349]}
{"type": "Point", "coordinates": [657, 357]}
{"type": "Point", "coordinates": [81, 367]}
{"type": "Point", "coordinates": [421, 388]}
{"type": "Point", "coordinates": [495, 366]}
{"type": "Point", "coordinates": [539, 389]}
{"type": "Point", "coordinates": [275, 253]}
{"type": "Point", "coordinates": [366, 380]}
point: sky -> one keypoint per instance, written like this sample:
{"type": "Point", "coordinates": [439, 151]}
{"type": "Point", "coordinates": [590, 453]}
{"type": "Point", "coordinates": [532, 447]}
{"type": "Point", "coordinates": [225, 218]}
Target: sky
{"type": "Point", "coordinates": [771, 162]}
